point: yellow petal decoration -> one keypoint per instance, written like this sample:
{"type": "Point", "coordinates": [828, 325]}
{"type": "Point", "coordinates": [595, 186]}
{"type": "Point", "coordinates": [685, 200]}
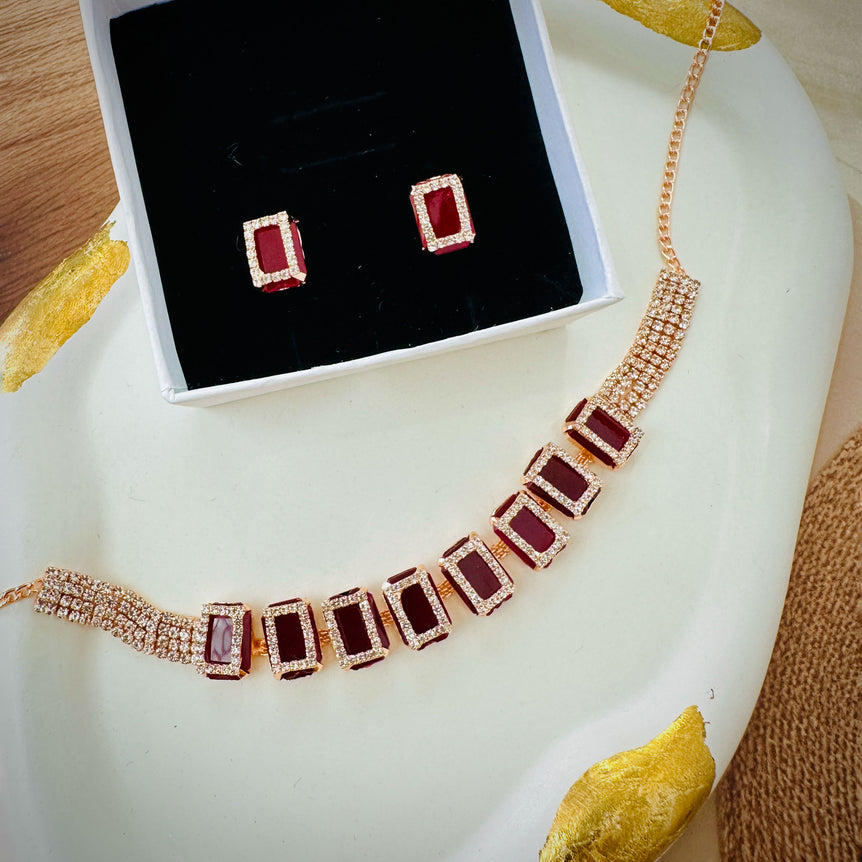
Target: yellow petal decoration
{"type": "Point", "coordinates": [683, 20]}
{"type": "Point", "coordinates": [59, 306]}
{"type": "Point", "coordinates": [632, 806]}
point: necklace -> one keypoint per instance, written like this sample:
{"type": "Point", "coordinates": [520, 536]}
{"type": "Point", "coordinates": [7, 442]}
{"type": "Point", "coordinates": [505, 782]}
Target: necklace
{"type": "Point", "coordinates": [557, 482]}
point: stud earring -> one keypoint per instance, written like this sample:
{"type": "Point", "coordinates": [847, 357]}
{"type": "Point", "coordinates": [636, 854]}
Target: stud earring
{"type": "Point", "coordinates": [442, 214]}
{"type": "Point", "coordinates": [274, 249]}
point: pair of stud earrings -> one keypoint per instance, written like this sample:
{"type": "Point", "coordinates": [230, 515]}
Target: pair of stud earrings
{"type": "Point", "coordinates": [274, 246]}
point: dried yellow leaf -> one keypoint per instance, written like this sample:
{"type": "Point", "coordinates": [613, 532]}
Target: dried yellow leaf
{"type": "Point", "coordinates": [59, 306]}
{"type": "Point", "coordinates": [683, 21]}
{"type": "Point", "coordinates": [632, 806]}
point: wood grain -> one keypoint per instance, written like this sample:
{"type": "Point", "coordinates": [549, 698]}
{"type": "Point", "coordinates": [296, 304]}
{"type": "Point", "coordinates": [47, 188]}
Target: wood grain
{"type": "Point", "coordinates": [56, 182]}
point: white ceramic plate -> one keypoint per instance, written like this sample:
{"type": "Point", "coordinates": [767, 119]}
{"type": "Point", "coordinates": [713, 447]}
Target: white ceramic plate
{"type": "Point", "coordinates": [669, 595]}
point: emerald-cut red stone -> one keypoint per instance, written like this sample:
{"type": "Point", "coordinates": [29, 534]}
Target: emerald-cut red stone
{"type": "Point", "coordinates": [534, 532]}
{"type": "Point", "coordinates": [604, 426]}
{"type": "Point", "coordinates": [531, 529]}
{"type": "Point", "coordinates": [565, 479]}
{"type": "Point", "coordinates": [355, 635]}
{"type": "Point", "coordinates": [491, 584]}
{"type": "Point", "coordinates": [439, 197]}
{"type": "Point", "coordinates": [443, 212]}
{"type": "Point", "coordinates": [480, 575]}
{"type": "Point", "coordinates": [290, 644]}
{"type": "Point", "coordinates": [272, 255]}
{"type": "Point", "coordinates": [422, 616]}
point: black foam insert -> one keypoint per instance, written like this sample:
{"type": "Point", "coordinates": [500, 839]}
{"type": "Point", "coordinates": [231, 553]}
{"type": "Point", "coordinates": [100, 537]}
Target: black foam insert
{"type": "Point", "coordinates": [332, 111]}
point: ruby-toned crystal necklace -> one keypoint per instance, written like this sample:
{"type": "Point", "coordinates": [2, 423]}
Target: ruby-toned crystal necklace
{"type": "Point", "coordinates": [557, 482]}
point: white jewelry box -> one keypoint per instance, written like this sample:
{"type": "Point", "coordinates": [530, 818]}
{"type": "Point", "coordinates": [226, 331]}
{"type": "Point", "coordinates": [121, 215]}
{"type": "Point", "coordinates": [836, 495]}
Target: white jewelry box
{"type": "Point", "coordinates": [595, 269]}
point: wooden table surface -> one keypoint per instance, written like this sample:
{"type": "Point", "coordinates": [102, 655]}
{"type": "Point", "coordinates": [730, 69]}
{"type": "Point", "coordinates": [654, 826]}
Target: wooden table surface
{"type": "Point", "coordinates": [56, 182]}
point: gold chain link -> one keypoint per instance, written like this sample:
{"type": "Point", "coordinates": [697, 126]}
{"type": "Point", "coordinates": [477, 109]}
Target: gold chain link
{"type": "Point", "coordinates": [19, 593]}
{"type": "Point", "coordinates": [674, 144]}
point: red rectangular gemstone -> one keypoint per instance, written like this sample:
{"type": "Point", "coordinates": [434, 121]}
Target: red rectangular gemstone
{"type": "Point", "coordinates": [290, 636]}
{"type": "Point", "coordinates": [611, 431]}
{"type": "Point", "coordinates": [476, 575]}
{"type": "Point", "coordinates": [443, 212]}
{"type": "Point", "coordinates": [536, 534]}
{"type": "Point", "coordinates": [271, 255]}
{"type": "Point", "coordinates": [356, 637]}
{"type": "Point", "coordinates": [284, 631]}
{"type": "Point", "coordinates": [480, 575]}
{"type": "Point", "coordinates": [416, 607]}
{"type": "Point", "coordinates": [560, 481]}
{"type": "Point", "coordinates": [533, 531]}
{"type": "Point", "coordinates": [274, 250]}
{"type": "Point", "coordinates": [615, 436]}
{"type": "Point", "coordinates": [529, 531]}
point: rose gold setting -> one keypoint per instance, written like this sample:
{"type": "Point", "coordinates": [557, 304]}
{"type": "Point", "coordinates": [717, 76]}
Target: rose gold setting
{"type": "Point", "coordinates": [674, 144]}
{"type": "Point", "coordinates": [579, 425]}
{"type": "Point", "coordinates": [431, 241]}
{"type": "Point", "coordinates": [293, 270]}
{"type": "Point", "coordinates": [574, 508]}
{"type": "Point", "coordinates": [445, 590]}
{"type": "Point", "coordinates": [503, 525]}
{"type": "Point", "coordinates": [450, 567]}
{"type": "Point", "coordinates": [17, 594]}
{"type": "Point", "coordinates": [392, 594]}
{"type": "Point", "coordinates": [302, 610]}
{"type": "Point", "coordinates": [346, 660]}
{"type": "Point", "coordinates": [235, 611]}
{"type": "Point", "coordinates": [500, 549]}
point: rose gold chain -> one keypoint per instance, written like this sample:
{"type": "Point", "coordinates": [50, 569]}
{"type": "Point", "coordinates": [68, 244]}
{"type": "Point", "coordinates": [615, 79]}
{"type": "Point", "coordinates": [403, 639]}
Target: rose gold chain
{"type": "Point", "coordinates": [674, 144]}
{"type": "Point", "coordinates": [19, 593]}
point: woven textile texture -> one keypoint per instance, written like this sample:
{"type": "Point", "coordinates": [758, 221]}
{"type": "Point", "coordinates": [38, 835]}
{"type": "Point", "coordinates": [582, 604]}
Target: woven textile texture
{"type": "Point", "coordinates": [793, 791]}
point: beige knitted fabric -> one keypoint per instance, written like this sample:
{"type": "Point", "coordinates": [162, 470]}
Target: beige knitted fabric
{"type": "Point", "coordinates": [793, 792]}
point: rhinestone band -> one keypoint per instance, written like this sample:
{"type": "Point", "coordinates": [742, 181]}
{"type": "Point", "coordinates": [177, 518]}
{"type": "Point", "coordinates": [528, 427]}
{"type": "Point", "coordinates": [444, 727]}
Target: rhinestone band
{"type": "Point", "coordinates": [635, 380]}
{"type": "Point", "coordinates": [90, 602]}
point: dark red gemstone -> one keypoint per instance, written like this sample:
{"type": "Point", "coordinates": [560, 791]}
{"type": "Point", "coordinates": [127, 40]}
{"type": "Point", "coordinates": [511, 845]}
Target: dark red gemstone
{"type": "Point", "coordinates": [417, 608]}
{"type": "Point", "coordinates": [271, 256]}
{"type": "Point", "coordinates": [415, 605]}
{"type": "Point", "coordinates": [568, 481]}
{"type": "Point", "coordinates": [532, 530]}
{"type": "Point", "coordinates": [443, 212]}
{"type": "Point", "coordinates": [351, 625]}
{"type": "Point", "coordinates": [290, 643]}
{"type": "Point", "coordinates": [529, 527]}
{"type": "Point", "coordinates": [354, 634]}
{"type": "Point", "coordinates": [481, 577]}
{"type": "Point", "coordinates": [608, 428]}
{"type": "Point", "coordinates": [290, 637]}
{"type": "Point", "coordinates": [604, 426]}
